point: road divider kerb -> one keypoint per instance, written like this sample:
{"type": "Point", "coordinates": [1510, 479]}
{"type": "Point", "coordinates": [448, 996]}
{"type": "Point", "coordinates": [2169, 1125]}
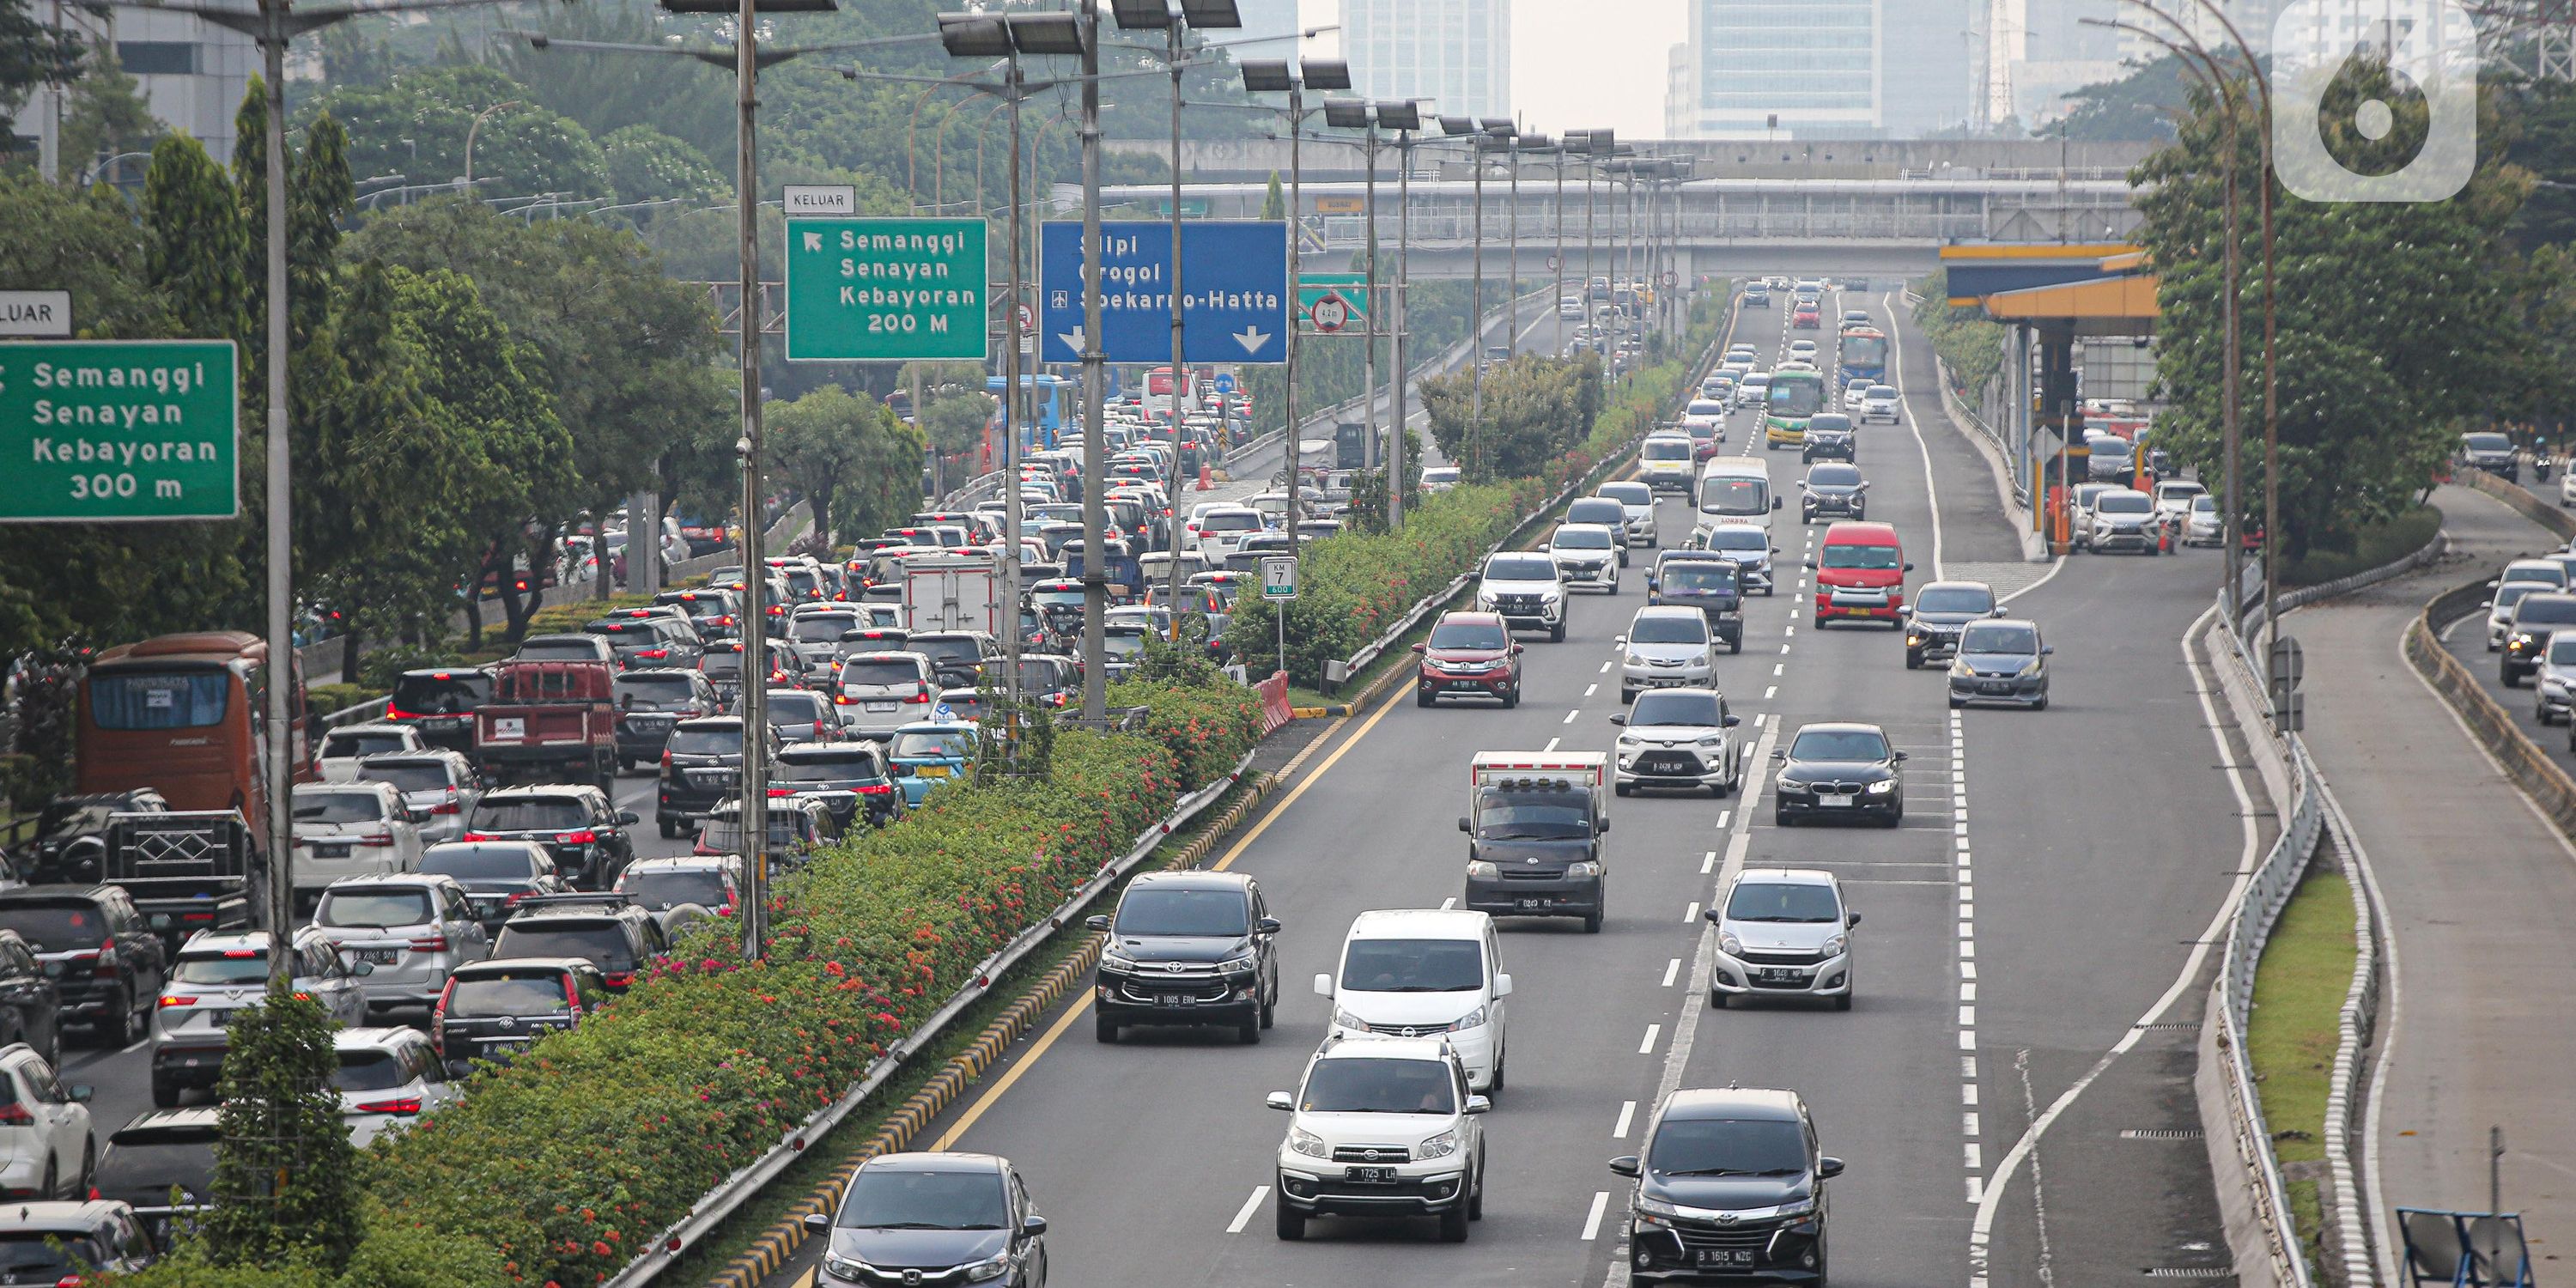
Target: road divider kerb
{"type": "Point", "coordinates": [2549, 787]}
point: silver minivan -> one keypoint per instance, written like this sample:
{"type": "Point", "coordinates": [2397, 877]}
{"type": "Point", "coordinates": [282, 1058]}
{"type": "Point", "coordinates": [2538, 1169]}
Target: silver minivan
{"type": "Point", "coordinates": [1783, 932]}
{"type": "Point", "coordinates": [1666, 647]}
{"type": "Point", "coordinates": [882, 692]}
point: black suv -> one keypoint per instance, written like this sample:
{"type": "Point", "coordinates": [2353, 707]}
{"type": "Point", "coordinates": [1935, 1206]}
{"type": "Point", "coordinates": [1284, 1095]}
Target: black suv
{"type": "Point", "coordinates": [701, 769]}
{"type": "Point", "coordinates": [1193, 948]}
{"type": "Point", "coordinates": [642, 643]}
{"type": "Point", "coordinates": [106, 963]}
{"type": "Point", "coordinates": [579, 826]}
{"type": "Point", "coordinates": [1731, 1187]}
{"type": "Point", "coordinates": [71, 833]}
{"type": "Point", "coordinates": [29, 1011]}
{"type": "Point", "coordinates": [610, 931]}
{"type": "Point", "coordinates": [438, 703]}
{"type": "Point", "coordinates": [495, 1007]}
{"type": "Point", "coordinates": [958, 657]}
{"type": "Point", "coordinates": [161, 1150]}
{"type": "Point", "coordinates": [848, 777]}
{"type": "Point", "coordinates": [1829, 438]}
{"type": "Point", "coordinates": [649, 702]}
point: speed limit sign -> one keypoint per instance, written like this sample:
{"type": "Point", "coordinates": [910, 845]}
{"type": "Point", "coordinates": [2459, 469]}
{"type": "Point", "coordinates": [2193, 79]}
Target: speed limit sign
{"type": "Point", "coordinates": [1331, 313]}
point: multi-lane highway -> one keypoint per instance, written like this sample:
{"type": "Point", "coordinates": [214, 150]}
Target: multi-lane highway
{"type": "Point", "coordinates": [2052, 880]}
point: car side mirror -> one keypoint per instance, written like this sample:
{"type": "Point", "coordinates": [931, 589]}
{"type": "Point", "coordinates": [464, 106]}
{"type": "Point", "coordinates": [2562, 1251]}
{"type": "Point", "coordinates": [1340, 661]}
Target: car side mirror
{"type": "Point", "coordinates": [1618, 717]}
{"type": "Point", "coordinates": [80, 1092]}
{"type": "Point", "coordinates": [1266, 926]}
{"type": "Point", "coordinates": [1479, 1104]}
{"type": "Point", "coordinates": [628, 817]}
{"type": "Point", "coordinates": [1095, 922]}
{"type": "Point", "coordinates": [819, 1222]}
{"type": "Point", "coordinates": [1851, 919]}
{"type": "Point", "coordinates": [1996, 611]}
{"type": "Point", "coordinates": [1032, 1225]}
{"type": "Point", "coordinates": [1899, 755]}
{"type": "Point", "coordinates": [1518, 648]}
{"type": "Point", "coordinates": [1829, 1167]}
{"type": "Point", "coordinates": [1907, 568]}
{"type": "Point", "coordinates": [1502, 985]}
{"type": "Point", "coordinates": [1775, 503]}
{"type": "Point", "coordinates": [1323, 985]}
{"type": "Point", "coordinates": [1780, 753]}
{"type": "Point", "coordinates": [1730, 722]}
{"type": "Point", "coordinates": [1624, 1165]}
{"type": "Point", "coordinates": [1807, 563]}
{"type": "Point", "coordinates": [1462, 824]}
{"type": "Point", "coordinates": [1618, 641]}
{"type": "Point", "coordinates": [1280, 1100]}
{"type": "Point", "coordinates": [1713, 915]}
{"type": "Point", "coordinates": [1420, 648]}
{"type": "Point", "coordinates": [2046, 649]}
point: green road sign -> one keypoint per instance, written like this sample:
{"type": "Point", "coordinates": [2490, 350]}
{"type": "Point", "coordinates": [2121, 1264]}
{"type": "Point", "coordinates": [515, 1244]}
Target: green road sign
{"type": "Point", "coordinates": [1352, 287]}
{"type": "Point", "coordinates": [886, 290]}
{"type": "Point", "coordinates": [107, 431]}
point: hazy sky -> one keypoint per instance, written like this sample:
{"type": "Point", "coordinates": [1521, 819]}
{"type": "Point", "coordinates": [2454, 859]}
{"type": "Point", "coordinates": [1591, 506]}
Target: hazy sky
{"type": "Point", "coordinates": [1576, 64]}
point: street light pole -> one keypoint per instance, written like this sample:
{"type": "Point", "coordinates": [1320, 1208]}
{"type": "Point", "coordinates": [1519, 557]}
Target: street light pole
{"type": "Point", "coordinates": [1095, 572]}
{"type": "Point", "coordinates": [1262, 76]}
{"type": "Point", "coordinates": [1403, 325]}
{"type": "Point", "coordinates": [755, 619]}
{"type": "Point", "coordinates": [281, 548]}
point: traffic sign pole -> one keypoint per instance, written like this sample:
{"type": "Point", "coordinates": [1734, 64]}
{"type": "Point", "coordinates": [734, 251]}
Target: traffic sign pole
{"type": "Point", "coordinates": [1278, 586]}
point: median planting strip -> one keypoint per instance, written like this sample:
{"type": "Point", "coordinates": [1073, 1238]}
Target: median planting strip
{"type": "Point", "coordinates": [2292, 1034]}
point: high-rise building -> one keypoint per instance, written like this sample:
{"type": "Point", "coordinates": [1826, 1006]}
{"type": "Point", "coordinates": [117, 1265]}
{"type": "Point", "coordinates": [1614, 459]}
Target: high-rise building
{"type": "Point", "coordinates": [1270, 30]}
{"type": "Point", "coordinates": [1456, 52]}
{"type": "Point", "coordinates": [191, 74]}
{"type": "Point", "coordinates": [1763, 67]}
{"type": "Point", "coordinates": [1680, 91]}
{"type": "Point", "coordinates": [1925, 53]}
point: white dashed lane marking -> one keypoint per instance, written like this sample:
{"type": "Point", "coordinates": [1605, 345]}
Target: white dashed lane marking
{"type": "Point", "coordinates": [1243, 1216]}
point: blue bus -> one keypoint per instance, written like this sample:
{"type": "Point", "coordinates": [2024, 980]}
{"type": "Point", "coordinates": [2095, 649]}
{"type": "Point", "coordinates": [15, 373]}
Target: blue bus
{"type": "Point", "coordinates": [1863, 357]}
{"type": "Point", "coordinates": [1048, 404]}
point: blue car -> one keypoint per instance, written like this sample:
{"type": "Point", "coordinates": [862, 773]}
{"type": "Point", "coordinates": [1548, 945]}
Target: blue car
{"type": "Point", "coordinates": [923, 755]}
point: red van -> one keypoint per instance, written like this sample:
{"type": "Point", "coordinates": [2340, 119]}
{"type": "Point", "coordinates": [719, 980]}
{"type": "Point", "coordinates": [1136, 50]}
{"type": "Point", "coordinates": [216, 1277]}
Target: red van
{"type": "Point", "coordinates": [1860, 574]}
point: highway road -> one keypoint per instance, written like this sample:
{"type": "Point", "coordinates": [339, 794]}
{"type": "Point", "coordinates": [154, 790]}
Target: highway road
{"type": "Point", "coordinates": [2048, 887]}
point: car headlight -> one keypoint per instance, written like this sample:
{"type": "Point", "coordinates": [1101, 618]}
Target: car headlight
{"type": "Point", "coordinates": [1302, 1141]}
{"type": "Point", "coordinates": [1713, 740]}
{"type": "Point", "coordinates": [1345, 1020]}
{"type": "Point", "coordinates": [1882, 787]}
{"type": "Point", "coordinates": [1583, 868]}
{"type": "Point", "coordinates": [1474, 1019]}
{"type": "Point", "coordinates": [1834, 947]}
{"type": "Point", "coordinates": [1243, 965]}
{"type": "Point", "coordinates": [1482, 869]}
{"type": "Point", "coordinates": [1440, 1146]}
{"type": "Point", "coordinates": [1116, 958]}
{"type": "Point", "coordinates": [1728, 944]}
{"type": "Point", "coordinates": [845, 1267]}
{"type": "Point", "coordinates": [2030, 667]}
{"type": "Point", "coordinates": [1803, 1207]}
{"type": "Point", "coordinates": [992, 1267]}
{"type": "Point", "coordinates": [1636, 659]}
{"type": "Point", "coordinates": [1550, 595]}
{"type": "Point", "coordinates": [1630, 740]}
{"type": "Point", "coordinates": [1655, 1207]}
{"type": "Point", "coordinates": [1788, 784]}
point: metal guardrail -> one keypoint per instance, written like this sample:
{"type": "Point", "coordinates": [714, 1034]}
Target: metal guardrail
{"type": "Point", "coordinates": [720, 1203]}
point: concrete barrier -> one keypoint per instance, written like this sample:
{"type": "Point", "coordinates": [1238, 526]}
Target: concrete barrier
{"type": "Point", "coordinates": [2531, 769]}
{"type": "Point", "coordinates": [2531, 507]}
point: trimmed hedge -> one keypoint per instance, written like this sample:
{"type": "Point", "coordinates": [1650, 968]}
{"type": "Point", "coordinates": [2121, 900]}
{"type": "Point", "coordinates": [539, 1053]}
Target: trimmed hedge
{"type": "Point", "coordinates": [603, 1135]}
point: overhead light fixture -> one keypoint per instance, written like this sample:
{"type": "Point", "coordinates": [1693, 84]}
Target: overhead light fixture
{"type": "Point", "coordinates": [1326, 73]}
{"type": "Point", "coordinates": [1346, 113]}
{"type": "Point", "coordinates": [974, 35]}
{"type": "Point", "coordinates": [1457, 125]}
{"type": "Point", "coordinates": [1046, 33]}
{"type": "Point", "coordinates": [1400, 114]}
{"type": "Point", "coordinates": [1267, 76]}
{"type": "Point", "coordinates": [1211, 14]}
{"type": "Point", "coordinates": [1140, 15]}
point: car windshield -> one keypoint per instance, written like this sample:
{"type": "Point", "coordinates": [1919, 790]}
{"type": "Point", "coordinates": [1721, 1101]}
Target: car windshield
{"type": "Point", "coordinates": [724, 664]}
{"type": "Point", "coordinates": [1629, 493]}
{"type": "Point", "coordinates": [2123, 503]}
{"type": "Point", "coordinates": [348, 744]}
{"type": "Point", "coordinates": [368, 1069]}
{"type": "Point", "coordinates": [821, 628]}
{"type": "Point", "coordinates": [940, 744]}
{"type": "Point", "coordinates": [1377, 1085]}
{"type": "Point", "coordinates": [42, 1256]}
{"type": "Point", "coordinates": [364, 909]}
{"type": "Point", "coordinates": [721, 740]}
{"type": "Point", "coordinates": [338, 807]}
{"type": "Point", "coordinates": [1696, 575]}
{"type": "Point", "coordinates": [1468, 635]}
{"type": "Point", "coordinates": [1666, 449]}
{"type": "Point", "coordinates": [1996, 637]}
{"type": "Point", "coordinates": [1519, 568]}
{"type": "Point", "coordinates": [1782, 901]}
{"type": "Point", "coordinates": [413, 777]}
{"type": "Point", "coordinates": [558, 651]}
{"type": "Point", "coordinates": [541, 994]}
{"type": "Point", "coordinates": [1236, 521]}
{"type": "Point", "coordinates": [1528, 816]}
{"type": "Point", "coordinates": [2562, 648]}
{"type": "Point", "coordinates": [528, 814]}
{"type": "Point", "coordinates": [648, 691]}
{"type": "Point", "coordinates": [1600, 510]}
{"type": "Point", "coordinates": [1582, 538]}
{"type": "Point", "coordinates": [1954, 599]}
{"type": "Point", "coordinates": [890, 1198]}
{"type": "Point", "coordinates": [788, 707]}
{"type": "Point", "coordinates": [600, 942]}
{"type": "Point", "coordinates": [836, 766]}
{"type": "Point", "coordinates": [2204, 503]}
{"type": "Point", "coordinates": [1673, 707]}
{"type": "Point", "coordinates": [1705, 407]}
{"type": "Point", "coordinates": [1833, 475]}
{"type": "Point", "coordinates": [142, 1164]}
{"type": "Point", "coordinates": [2549, 573]}
{"type": "Point", "coordinates": [1845, 554]}
{"type": "Point", "coordinates": [440, 692]}
{"type": "Point", "coordinates": [2545, 610]}
{"type": "Point", "coordinates": [1728, 1147]}
{"type": "Point", "coordinates": [1796, 398]}
{"type": "Point", "coordinates": [2511, 593]}
{"type": "Point", "coordinates": [1754, 540]}
{"type": "Point", "coordinates": [478, 862]}
{"type": "Point", "coordinates": [1839, 744]}
{"type": "Point", "coordinates": [234, 966]}
{"type": "Point", "coordinates": [1413, 966]}
{"type": "Point", "coordinates": [952, 650]}
{"type": "Point", "coordinates": [1725, 495]}
{"type": "Point", "coordinates": [2487, 442]}
{"type": "Point", "coordinates": [661, 889]}
{"type": "Point", "coordinates": [1687, 627]}
{"type": "Point", "coordinates": [1204, 914]}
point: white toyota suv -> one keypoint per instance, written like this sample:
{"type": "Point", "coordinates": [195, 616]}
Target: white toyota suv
{"type": "Point", "coordinates": [1525, 589]}
{"type": "Point", "coordinates": [1586, 554]}
{"type": "Point", "coordinates": [1382, 1127]}
{"type": "Point", "coordinates": [1425, 972]}
{"type": "Point", "coordinates": [1666, 646]}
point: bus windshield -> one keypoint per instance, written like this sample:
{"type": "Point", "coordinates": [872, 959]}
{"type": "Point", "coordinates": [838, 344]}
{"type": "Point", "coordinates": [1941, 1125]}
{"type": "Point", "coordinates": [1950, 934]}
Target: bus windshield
{"type": "Point", "coordinates": [1796, 398]}
{"type": "Point", "coordinates": [1864, 351]}
{"type": "Point", "coordinates": [1721, 494]}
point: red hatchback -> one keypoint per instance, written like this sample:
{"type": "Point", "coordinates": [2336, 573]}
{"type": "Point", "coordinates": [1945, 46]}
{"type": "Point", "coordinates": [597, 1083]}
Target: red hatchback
{"type": "Point", "coordinates": [1806, 318]}
{"type": "Point", "coordinates": [1469, 653]}
{"type": "Point", "coordinates": [1860, 574]}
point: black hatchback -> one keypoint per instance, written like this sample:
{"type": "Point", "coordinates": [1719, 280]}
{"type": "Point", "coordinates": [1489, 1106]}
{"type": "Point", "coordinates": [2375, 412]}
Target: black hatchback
{"type": "Point", "coordinates": [935, 1218]}
{"type": "Point", "coordinates": [438, 703]}
{"type": "Point", "coordinates": [1731, 1189]}
{"type": "Point", "coordinates": [1188, 948]}
{"type": "Point", "coordinates": [701, 769]}
{"type": "Point", "coordinates": [650, 702]}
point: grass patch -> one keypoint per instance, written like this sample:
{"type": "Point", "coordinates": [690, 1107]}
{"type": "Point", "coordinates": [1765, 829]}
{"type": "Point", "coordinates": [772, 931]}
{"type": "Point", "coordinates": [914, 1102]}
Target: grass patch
{"type": "Point", "coordinates": [2299, 988]}
{"type": "Point", "coordinates": [2379, 544]}
{"type": "Point", "coordinates": [824, 1156]}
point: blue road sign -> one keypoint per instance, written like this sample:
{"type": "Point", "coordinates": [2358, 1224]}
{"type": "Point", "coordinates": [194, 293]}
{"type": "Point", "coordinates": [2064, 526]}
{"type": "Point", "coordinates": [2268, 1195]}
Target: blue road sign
{"type": "Point", "coordinates": [1234, 291]}
{"type": "Point", "coordinates": [1225, 382]}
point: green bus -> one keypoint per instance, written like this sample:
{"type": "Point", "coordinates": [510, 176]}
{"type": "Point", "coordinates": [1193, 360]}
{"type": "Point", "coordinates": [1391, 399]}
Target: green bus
{"type": "Point", "coordinates": [1795, 395]}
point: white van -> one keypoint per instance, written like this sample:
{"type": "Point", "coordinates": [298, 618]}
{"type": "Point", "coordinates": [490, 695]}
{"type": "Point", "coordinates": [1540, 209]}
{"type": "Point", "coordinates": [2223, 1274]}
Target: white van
{"type": "Point", "coordinates": [1736, 489]}
{"type": "Point", "coordinates": [1424, 973]}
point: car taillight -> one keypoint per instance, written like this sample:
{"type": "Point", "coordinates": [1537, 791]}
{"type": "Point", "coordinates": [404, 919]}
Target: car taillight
{"type": "Point", "coordinates": [652, 652]}
{"type": "Point", "coordinates": [14, 1115]}
{"type": "Point", "coordinates": [726, 620]}
{"type": "Point", "coordinates": [105, 966]}
{"type": "Point", "coordinates": [666, 764]}
{"type": "Point", "coordinates": [882, 789]}
{"type": "Point", "coordinates": [393, 712]}
{"type": "Point", "coordinates": [923, 696]}
{"type": "Point", "coordinates": [776, 792]}
{"type": "Point", "coordinates": [583, 837]}
{"type": "Point", "coordinates": [487, 836]}
{"type": "Point", "coordinates": [621, 979]}
{"type": "Point", "coordinates": [405, 1105]}
{"type": "Point", "coordinates": [173, 999]}
{"type": "Point", "coordinates": [818, 728]}
{"type": "Point", "coordinates": [377, 838]}
{"type": "Point", "coordinates": [432, 944]}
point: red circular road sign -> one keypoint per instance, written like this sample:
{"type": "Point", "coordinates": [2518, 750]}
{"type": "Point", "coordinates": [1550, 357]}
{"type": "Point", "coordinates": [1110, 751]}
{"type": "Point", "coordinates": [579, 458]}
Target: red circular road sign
{"type": "Point", "coordinates": [1332, 312]}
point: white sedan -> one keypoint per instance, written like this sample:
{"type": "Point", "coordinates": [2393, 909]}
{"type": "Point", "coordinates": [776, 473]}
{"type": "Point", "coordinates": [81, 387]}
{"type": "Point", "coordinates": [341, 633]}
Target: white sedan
{"type": "Point", "coordinates": [1855, 397]}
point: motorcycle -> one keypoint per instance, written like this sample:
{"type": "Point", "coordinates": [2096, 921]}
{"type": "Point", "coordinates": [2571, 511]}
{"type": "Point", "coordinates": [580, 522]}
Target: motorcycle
{"type": "Point", "coordinates": [2541, 465]}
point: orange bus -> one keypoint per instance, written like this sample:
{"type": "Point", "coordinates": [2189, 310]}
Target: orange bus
{"type": "Point", "coordinates": [185, 715]}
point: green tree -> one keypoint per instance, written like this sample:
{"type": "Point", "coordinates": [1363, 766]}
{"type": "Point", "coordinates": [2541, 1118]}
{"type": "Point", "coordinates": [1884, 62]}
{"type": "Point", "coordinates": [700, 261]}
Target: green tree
{"type": "Point", "coordinates": [2140, 106]}
{"type": "Point", "coordinates": [1274, 204]}
{"type": "Point", "coordinates": [418, 126]}
{"type": "Point", "coordinates": [195, 254]}
{"type": "Point", "coordinates": [105, 116]}
{"type": "Point", "coordinates": [1532, 414]}
{"type": "Point", "coordinates": [31, 54]}
{"type": "Point", "coordinates": [851, 458]}
{"type": "Point", "coordinates": [285, 1179]}
{"type": "Point", "coordinates": [645, 164]}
